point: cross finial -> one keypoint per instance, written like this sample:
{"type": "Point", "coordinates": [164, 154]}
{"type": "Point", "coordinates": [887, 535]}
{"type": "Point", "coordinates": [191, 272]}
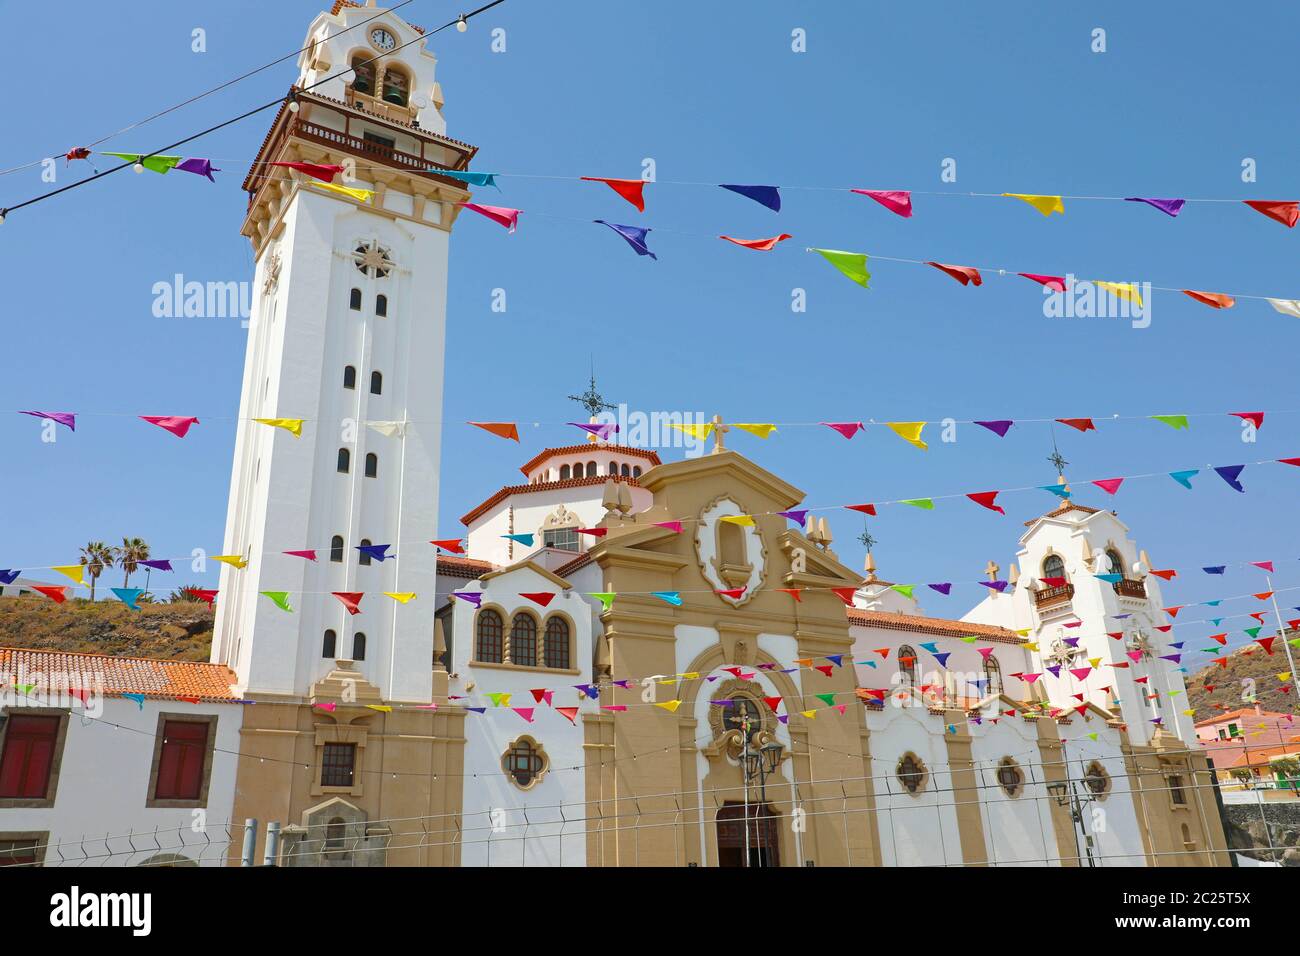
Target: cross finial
{"type": "Point", "coordinates": [719, 431]}
{"type": "Point", "coordinates": [992, 569]}
{"type": "Point", "coordinates": [591, 399]}
{"type": "Point", "coordinates": [1057, 459]}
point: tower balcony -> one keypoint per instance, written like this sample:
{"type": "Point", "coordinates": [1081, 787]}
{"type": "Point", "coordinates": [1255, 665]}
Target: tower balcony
{"type": "Point", "coordinates": [1131, 588]}
{"type": "Point", "coordinates": [1045, 598]}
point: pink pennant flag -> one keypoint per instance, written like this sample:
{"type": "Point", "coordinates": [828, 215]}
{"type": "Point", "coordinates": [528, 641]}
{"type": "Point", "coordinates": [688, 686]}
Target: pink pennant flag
{"type": "Point", "coordinates": [309, 555]}
{"type": "Point", "coordinates": [1264, 565]}
{"type": "Point", "coordinates": [178, 425]}
{"type": "Point", "coordinates": [898, 201]}
{"type": "Point", "coordinates": [1109, 485]}
{"type": "Point", "coordinates": [1055, 283]}
{"type": "Point", "coordinates": [847, 429]}
{"type": "Point", "coordinates": [675, 526]}
{"type": "Point", "coordinates": [525, 712]}
{"type": "Point", "coordinates": [502, 215]}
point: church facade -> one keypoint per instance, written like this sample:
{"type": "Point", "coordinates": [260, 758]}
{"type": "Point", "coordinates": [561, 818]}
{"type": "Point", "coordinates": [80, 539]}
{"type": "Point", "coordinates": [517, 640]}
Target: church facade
{"type": "Point", "coordinates": [634, 662]}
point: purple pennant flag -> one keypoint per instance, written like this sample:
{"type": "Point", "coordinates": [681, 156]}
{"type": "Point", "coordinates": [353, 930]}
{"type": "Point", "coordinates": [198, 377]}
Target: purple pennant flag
{"type": "Point", "coordinates": [1170, 207]}
{"type": "Point", "coordinates": [797, 516]}
{"type": "Point", "coordinates": [1176, 658]}
{"type": "Point", "coordinates": [591, 690]}
{"type": "Point", "coordinates": [767, 666]}
{"type": "Point", "coordinates": [625, 684]}
{"type": "Point", "coordinates": [1072, 641]}
{"type": "Point", "coordinates": [478, 710]}
{"type": "Point", "coordinates": [784, 718]}
{"type": "Point", "coordinates": [201, 167]}
{"type": "Point", "coordinates": [634, 235]}
{"type": "Point", "coordinates": [63, 418]}
{"type": "Point", "coordinates": [1120, 617]}
{"type": "Point", "coordinates": [1230, 474]}
{"type": "Point", "coordinates": [769, 196]}
{"type": "Point", "coordinates": [999, 428]}
{"type": "Point", "coordinates": [1055, 669]}
{"type": "Point", "coordinates": [8, 576]}
{"type": "Point", "coordinates": [788, 670]}
{"type": "Point", "coordinates": [1158, 720]}
{"type": "Point", "coordinates": [473, 597]}
{"type": "Point", "coordinates": [160, 564]}
{"type": "Point", "coordinates": [603, 432]}
{"type": "Point", "coordinates": [944, 587]}
{"type": "Point", "coordinates": [998, 586]}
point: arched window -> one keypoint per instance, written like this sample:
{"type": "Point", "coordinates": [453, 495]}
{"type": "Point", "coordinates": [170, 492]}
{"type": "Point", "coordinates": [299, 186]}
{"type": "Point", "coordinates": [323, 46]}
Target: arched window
{"type": "Point", "coordinates": [525, 762]}
{"type": "Point", "coordinates": [381, 305]}
{"type": "Point", "coordinates": [349, 377]}
{"type": "Point", "coordinates": [907, 665]}
{"type": "Point", "coordinates": [336, 549]}
{"type": "Point", "coordinates": [625, 471]}
{"type": "Point", "coordinates": [591, 470]}
{"type": "Point", "coordinates": [372, 465]}
{"type": "Point", "coordinates": [1053, 566]}
{"type": "Point", "coordinates": [376, 383]}
{"type": "Point", "coordinates": [397, 86]}
{"type": "Point", "coordinates": [636, 472]}
{"type": "Point", "coordinates": [1116, 562]}
{"type": "Point", "coordinates": [993, 673]}
{"type": "Point", "coordinates": [564, 473]}
{"type": "Point", "coordinates": [555, 651]}
{"type": "Point", "coordinates": [345, 461]}
{"type": "Point", "coordinates": [487, 637]}
{"type": "Point", "coordinates": [523, 640]}
{"type": "Point", "coordinates": [358, 646]}
{"type": "Point", "coordinates": [354, 299]}
{"type": "Point", "coordinates": [613, 469]}
{"type": "Point", "coordinates": [329, 645]}
{"type": "Point", "coordinates": [364, 81]}
{"type": "Point", "coordinates": [363, 558]}
{"type": "Point", "coordinates": [731, 543]}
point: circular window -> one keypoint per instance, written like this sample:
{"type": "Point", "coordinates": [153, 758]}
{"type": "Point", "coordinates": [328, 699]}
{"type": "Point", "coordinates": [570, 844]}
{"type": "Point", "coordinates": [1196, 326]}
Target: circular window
{"type": "Point", "coordinates": [1010, 777]}
{"type": "Point", "coordinates": [1096, 779]}
{"type": "Point", "coordinates": [911, 773]}
{"type": "Point", "coordinates": [372, 259]}
{"type": "Point", "coordinates": [526, 762]}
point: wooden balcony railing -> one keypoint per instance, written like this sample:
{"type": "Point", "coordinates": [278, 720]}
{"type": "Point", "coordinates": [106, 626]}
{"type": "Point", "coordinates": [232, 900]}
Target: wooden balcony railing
{"type": "Point", "coordinates": [1051, 597]}
{"type": "Point", "coordinates": [1130, 588]}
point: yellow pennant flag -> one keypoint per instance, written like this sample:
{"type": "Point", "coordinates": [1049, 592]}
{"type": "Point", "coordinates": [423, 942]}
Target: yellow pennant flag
{"type": "Point", "coordinates": [670, 705]}
{"type": "Point", "coordinates": [401, 597]}
{"type": "Point", "coordinates": [1190, 712]}
{"type": "Point", "coordinates": [360, 195]}
{"type": "Point", "coordinates": [701, 431]}
{"type": "Point", "coordinates": [1124, 290]}
{"type": "Point", "coordinates": [291, 425]}
{"type": "Point", "coordinates": [1284, 676]}
{"type": "Point", "coordinates": [667, 680]}
{"type": "Point", "coordinates": [754, 428]}
{"type": "Point", "coordinates": [810, 714]}
{"type": "Point", "coordinates": [747, 520]}
{"type": "Point", "coordinates": [382, 708]}
{"type": "Point", "coordinates": [1023, 632]}
{"type": "Point", "coordinates": [1044, 204]}
{"type": "Point", "coordinates": [1095, 661]}
{"type": "Point", "coordinates": [234, 560]}
{"type": "Point", "coordinates": [74, 571]}
{"type": "Point", "coordinates": [691, 675]}
{"type": "Point", "coordinates": [1030, 645]}
{"type": "Point", "coordinates": [910, 432]}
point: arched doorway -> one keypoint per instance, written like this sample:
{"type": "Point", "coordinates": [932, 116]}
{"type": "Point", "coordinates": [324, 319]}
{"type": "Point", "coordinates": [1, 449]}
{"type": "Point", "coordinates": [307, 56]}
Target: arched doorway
{"type": "Point", "coordinates": [762, 833]}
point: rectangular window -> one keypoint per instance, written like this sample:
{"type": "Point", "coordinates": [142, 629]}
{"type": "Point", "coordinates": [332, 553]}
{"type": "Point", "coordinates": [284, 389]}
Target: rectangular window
{"type": "Point", "coordinates": [20, 851]}
{"type": "Point", "coordinates": [386, 141]}
{"type": "Point", "coordinates": [564, 539]}
{"type": "Point", "coordinates": [1176, 792]}
{"type": "Point", "coordinates": [182, 760]}
{"type": "Point", "coordinates": [338, 762]}
{"type": "Point", "coordinates": [28, 758]}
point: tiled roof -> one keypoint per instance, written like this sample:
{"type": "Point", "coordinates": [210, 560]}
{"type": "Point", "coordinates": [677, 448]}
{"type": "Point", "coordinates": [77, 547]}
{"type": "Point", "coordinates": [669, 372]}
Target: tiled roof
{"type": "Point", "coordinates": [114, 676]}
{"type": "Point", "coordinates": [581, 561]}
{"type": "Point", "coordinates": [547, 453]}
{"type": "Point", "coordinates": [1242, 712]}
{"type": "Point", "coordinates": [456, 566]}
{"type": "Point", "coordinates": [1231, 754]}
{"type": "Point", "coordinates": [340, 4]}
{"type": "Point", "coordinates": [1064, 509]}
{"type": "Point", "coordinates": [509, 490]}
{"type": "Point", "coordinates": [943, 627]}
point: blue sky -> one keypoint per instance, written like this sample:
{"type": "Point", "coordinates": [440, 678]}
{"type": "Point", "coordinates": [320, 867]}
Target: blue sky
{"type": "Point", "coordinates": [713, 93]}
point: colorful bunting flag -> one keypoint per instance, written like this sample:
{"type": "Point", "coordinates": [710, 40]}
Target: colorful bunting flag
{"type": "Point", "coordinates": [129, 596]}
{"type": "Point", "coordinates": [74, 571]}
{"type": "Point", "coordinates": [1176, 422]}
{"type": "Point", "coordinates": [1215, 300]}
{"type": "Point", "coordinates": [760, 245]}
{"type": "Point", "coordinates": [350, 600]}
{"type": "Point", "coordinates": [1127, 291]}
{"type": "Point", "coordinates": [178, 425]}
{"type": "Point", "coordinates": [1080, 424]}
{"type": "Point", "coordinates": [1044, 204]}
{"type": "Point", "coordinates": [449, 544]}
{"type": "Point", "coordinates": [500, 429]}
{"type": "Point", "coordinates": [279, 598]}
{"type": "Point", "coordinates": [668, 597]}
{"type": "Point", "coordinates": [1055, 283]}
{"type": "Point", "coordinates": [401, 597]}
{"type": "Point", "coordinates": [963, 274]}
{"type": "Point", "coordinates": [1230, 474]}
{"type": "Point", "coordinates": [897, 201]}
{"type": "Point", "coordinates": [1184, 478]}
{"type": "Point", "coordinates": [853, 265]}
{"type": "Point", "coordinates": [360, 195]}
{"type": "Point", "coordinates": [630, 189]}
{"type": "Point", "coordinates": [481, 180]}
{"type": "Point", "coordinates": [987, 499]}
{"type": "Point", "coordinates": [1109, 485]}
{"type": "Point", "coordinates": [634, 236]}
{"type": "Point", "coordinates": [542, 598]}
{"type": "Point", "coordinates": [322, 171]}
{"type": "Point", "coordinates": [292, 425]}
{"type": "Point", "coordinates": [1170, 207]}
{"type": "Point", "coordinates": [68, 419]}
{"type": "Point", "coordinates": [58, 593]}
{"type": "Point", "coordinates": [910, 432]}
{"type": "Point", "coordinates": [999, 428]}
{"type": "Point", "coordinates": [769, 196]}
{"type": "Point", "coordinates": [1287, 213]}
{"type": "Point", "coordinates": [501, 215]}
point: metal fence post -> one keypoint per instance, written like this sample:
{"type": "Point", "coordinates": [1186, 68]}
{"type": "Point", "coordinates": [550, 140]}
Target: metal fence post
{"type": "Point", "coordinates": [250, 842]}
{"type": "Point", "coordinates": [272, 843]}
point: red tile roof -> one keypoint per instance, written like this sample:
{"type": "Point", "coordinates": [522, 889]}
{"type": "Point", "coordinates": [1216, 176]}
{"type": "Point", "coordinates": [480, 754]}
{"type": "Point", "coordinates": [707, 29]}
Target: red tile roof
{"type": "Point", "coordinates": [548, 453]}
{"type": "Point", "coordinates": [1064, 509]}
{"type": "Point", "coordinates": [460, 567]}
{"type": "Point", "coordinates": [943, 627]}
{"type": "Point", "coordinates": [115, 676]}
{"type": "Point", "coordinates": [509, 490]}
{"type": "Point", "coordinates": [1242, 712]}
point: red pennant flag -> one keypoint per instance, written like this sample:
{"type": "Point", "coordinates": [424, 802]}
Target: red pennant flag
{"type": "Point", "coordinates": [569, 712]}
{"type": "Point", "coordinates": [1210, 688]}
{"type": "Point", "coordinates": [762, 245]}
{"type": "Point", "coordinates": [845, 595]}
{"type": "Point", "coordinates": [310, 555]}
{"type": "Point", "coordinates": [500, 429]}
{"type": "Point", "coordinates": [1215, 300]}
{"type": "Point", "coordinates": [734, 593]}
{"type": "Point", "coordinates": [963, 274]}
{"type": "Point", "coordinates": [1164, 628]}
{"type": "Point", "coordinates": [793, 592]}
{"type": "Point", "coordinates": [985, 499]}
{"type": "Point", "coordinates": [1287, 213]}
{"type": "Point", "coordinates": [1053, 582]}
{"type": "Point", "coordinates": [825, 669]}
{"type": "Point", "coordinates": [1109, 485]}
{"type": "Point", "coordinates": [1118, 635]}
{"type": "Point", "coordinates": [772, 702]}
{"type": "Point", "coordinates": [594, 532]}
{"type": "Point", "coordinates": [1220, 638]}
{"type": "Point", "coordinates": [448, 544]}
{"type": "Point", "coordinates": [55, 592]}
{"type": "Point", "coordinates": [1255, 418]}
{"type": "Point", "coordinates": [1264, 595]}
{"type": "Point", "coordinates": [541, 694]}
{"type": "Point", "coordinates": [1074, 624]}
{"type": "Point", "coordinates": [205, 595]}
{"type": "Point", "coordinates": [1173, 611]}
{"type": "Point", "coordinates": [1140, 680]}
{"type": "Point", "coordinates": [865, 509]}
{"type": "Point", "coordinates": [1082, 424]}
{"type": "Point", "coordinates": [321, 171]}
{"type": "Point", "coordinates": [883, 651]}
{"type": "Point", "coordinates": [1222, 662]}
{"type": "Point", "coordinates": [539, 597]}
{"type": "Point", "coordinates": [1258, 615]}
{"type": "Point", "coordinates": [1167, 575]}
{"type": "Point", "coordinates": [1266, 643]}
{"type": "Point", "coordinates": [1055, 283]}
{"type": "Point", "coordinates": [1290, 461]}
{"type": "Point", "coordinates": [351, 600]}
{"type": "Point", "coordinates": [629, 189]}
{"type": "Point", "coordinates": [1263, 565]}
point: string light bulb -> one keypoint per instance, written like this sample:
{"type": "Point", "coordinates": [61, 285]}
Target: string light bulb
{"type": "Point", "coordinates": [138, 167]}
{"type": "Point", "coordinates": [293, 106]}
{"type": "Point", "coordinates": [462, 24]}
{"type": "Point", "coordinates": [2, 214]}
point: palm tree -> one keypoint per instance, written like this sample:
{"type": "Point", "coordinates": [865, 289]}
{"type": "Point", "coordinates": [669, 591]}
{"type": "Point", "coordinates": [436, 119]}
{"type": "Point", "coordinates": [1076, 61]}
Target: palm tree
{"type": "Point", "coordinates": [97, 557]}
{"type": "Point", "coordinates": [129, 556]}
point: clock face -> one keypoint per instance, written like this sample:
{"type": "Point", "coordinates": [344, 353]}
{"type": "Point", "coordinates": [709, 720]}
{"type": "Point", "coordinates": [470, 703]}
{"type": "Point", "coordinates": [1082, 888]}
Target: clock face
{"type": "Point", "coordinates": [382, 39]}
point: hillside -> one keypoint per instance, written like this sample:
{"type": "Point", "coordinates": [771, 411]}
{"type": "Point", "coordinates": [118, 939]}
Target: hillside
{"type": "Point", "coordinates": [180, 631]}
{"type": "Point", "coordinates": [1229, 682]}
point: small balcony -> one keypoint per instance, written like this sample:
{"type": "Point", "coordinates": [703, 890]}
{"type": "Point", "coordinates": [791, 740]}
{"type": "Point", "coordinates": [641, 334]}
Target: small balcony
{"type": "Point", "coordinates": [1131, 588]}
{"type": "Point", "coordinates": [1052, 597]}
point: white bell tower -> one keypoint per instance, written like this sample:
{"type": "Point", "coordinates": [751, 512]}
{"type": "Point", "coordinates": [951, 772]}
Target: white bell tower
{"type": "Point", "coordinates": [346, 333]}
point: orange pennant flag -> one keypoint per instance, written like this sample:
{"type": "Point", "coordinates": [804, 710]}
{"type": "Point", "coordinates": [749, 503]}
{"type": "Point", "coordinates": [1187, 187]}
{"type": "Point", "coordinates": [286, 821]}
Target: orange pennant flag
{"type": "Point", "coordinates": [500, 429]}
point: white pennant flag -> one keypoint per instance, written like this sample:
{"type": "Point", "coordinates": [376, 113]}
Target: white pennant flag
{"type": "Point", "coordinates": [1286, 306]}
{"type": "Point", "coordinates": [390, 429]}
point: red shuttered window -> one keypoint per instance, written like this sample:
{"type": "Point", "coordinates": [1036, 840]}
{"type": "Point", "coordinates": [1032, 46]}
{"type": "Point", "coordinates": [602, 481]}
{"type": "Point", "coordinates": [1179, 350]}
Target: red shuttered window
{"type": "Point", "coordinates": [28, 758]}
{"type": "Point", "coordinates": [180, 763]}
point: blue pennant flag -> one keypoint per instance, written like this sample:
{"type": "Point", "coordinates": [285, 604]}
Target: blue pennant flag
{"type": "Point", "coordinates": [1230, 474]}
{"type": "Point", "coordinates": [634, 235]}
{"type": "Point", "coordinates": [377, 551]}
{"type": "Point", "coordinates": [129, 596]}
{"type": "Point", "coordinates": [769, 196]}
{"type": "Point", "coordinates": [1061, 491]}
{"type": "Point", "coordinates": [525, 539]}
{"type": "Point", "coordinates": [473, 179]}
{"type": "Point", "coordinates": [1184, 478]}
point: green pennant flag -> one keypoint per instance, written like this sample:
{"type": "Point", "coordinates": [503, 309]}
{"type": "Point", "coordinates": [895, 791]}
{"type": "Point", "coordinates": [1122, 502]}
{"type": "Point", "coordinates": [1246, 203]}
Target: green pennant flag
{"type": "Point", "coordinates": [925, 504]}
{"type": "Point", "coordinates": [829, 699]}
{"type": "Point", "coordinates": [279, 598]}
{"type": "Point", "coordinates": [903, 589]}
{"type": "Point", "coordinates": [971, 639]}
{"type": "Point", "coordinates": [25, 689]}
{"type": "Point", "coordinates": [499, 699]}
{"type": "Point", "coordinates": [1294, 642]}
{"type": "Point", "coordinates": [159, 164]}
{"type": "Point", "coordinates": [852, 264]}
{"type": "Point", "coordinates": [1253, 631]}
{"type": "Point", "coordinates": [1092, 736]}
{"type": "Point", "coordinates": [606, 598]}
{"type": "Point", "coordinates": [1175, 422]}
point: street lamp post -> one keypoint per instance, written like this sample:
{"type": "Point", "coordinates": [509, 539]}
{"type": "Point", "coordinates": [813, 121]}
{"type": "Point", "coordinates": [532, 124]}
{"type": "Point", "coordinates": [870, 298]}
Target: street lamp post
{"type": "Point", "coordinates": [759, 759]}
{"type": "Point", "coordinates": [1066, 794]}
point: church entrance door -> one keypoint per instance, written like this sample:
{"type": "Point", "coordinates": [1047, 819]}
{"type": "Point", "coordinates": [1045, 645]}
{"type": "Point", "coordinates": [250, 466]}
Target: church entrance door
{"type": "Point", "coordinates": [763, 836]}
